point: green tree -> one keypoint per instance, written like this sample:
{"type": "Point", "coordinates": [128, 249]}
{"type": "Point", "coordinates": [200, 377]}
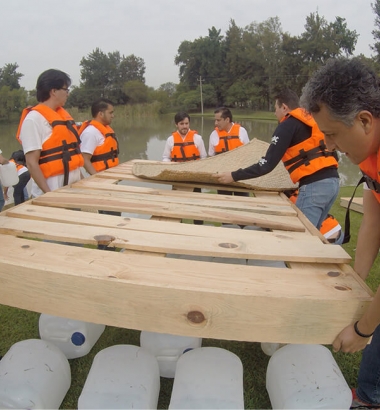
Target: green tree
{"type": "Point", "coordinates": [81, 97]}
{"type": "Point", "coordinates": [9, 76]}
{"type": "Point", "coordinates": [165, 95]}
{"type": "Point", "coordinates": [136, 92]}
{"type": "Point", "coordinates": [376, 32]}
{"type": "Point", "coordinates": [131, 68]}
{"type": "Point", "coordinates": [104, 75]}
{"type": "Point", "coordinates": [202, 59]}
{"type": "Point", "coordinates": [12, 102]}
{"type": "Point", "coordinates": [322, 40]}
{"type": "Point", "coordinates": [266, 53]}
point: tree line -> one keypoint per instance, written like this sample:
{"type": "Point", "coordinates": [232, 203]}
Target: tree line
{"type": "Point", "coordinates": [245, 67]}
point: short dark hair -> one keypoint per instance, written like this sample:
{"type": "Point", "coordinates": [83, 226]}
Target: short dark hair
{"type": "Point", "coordinates": [51, 80]}
{"type": "Point", "coordinates": [180, 116]}
{"type": "Point", "coordinates": [225, 112]}
{"type": "Point", "coordinates": [345, 87]}
{"type": "Point", "coordinates": [100, 105]}
{"type": "Point", "coordinates": [19, 157]}
{"type": "Point", "coordinates": [289, 98]}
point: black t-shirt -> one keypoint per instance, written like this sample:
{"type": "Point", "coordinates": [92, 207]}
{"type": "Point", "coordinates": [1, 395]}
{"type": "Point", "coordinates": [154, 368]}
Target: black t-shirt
{"type": "Point", "coordinates": [287, 134]}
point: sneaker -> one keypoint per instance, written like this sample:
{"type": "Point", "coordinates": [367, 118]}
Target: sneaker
{"type": "Point", "coordinates": [358, 404]}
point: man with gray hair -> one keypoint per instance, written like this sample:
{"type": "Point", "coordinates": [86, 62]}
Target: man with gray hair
{"type": "Point", "coordinates": [344, 99]}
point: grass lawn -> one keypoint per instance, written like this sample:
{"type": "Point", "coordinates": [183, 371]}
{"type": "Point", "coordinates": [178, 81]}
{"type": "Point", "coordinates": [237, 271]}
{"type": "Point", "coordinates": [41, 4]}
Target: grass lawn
{"type": "Point", "coordinates": [19, 325]}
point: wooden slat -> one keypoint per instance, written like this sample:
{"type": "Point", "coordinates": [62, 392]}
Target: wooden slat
{"type": "Point", "coordinates": [356, 205]}
{"type": "Point", "coordinates": [197, 199]}
{"type": "Point", "coordinates": [118, 203]}
{"type": "Point", "coordinates": [263, 201]}
{"type": "Point", "coordinates": [248, 245]}
{"type": "Point", "coordinates": [170, 296]}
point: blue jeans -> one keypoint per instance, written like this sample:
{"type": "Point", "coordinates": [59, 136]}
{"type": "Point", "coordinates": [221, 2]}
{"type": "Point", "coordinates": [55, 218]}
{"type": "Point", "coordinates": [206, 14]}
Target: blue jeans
{"type": "Point", "coordinates": [316, 199]}
{"type": "Point", "coordinates": [2, 200]}
{"type": "Point", "coordinates": [369, 373]}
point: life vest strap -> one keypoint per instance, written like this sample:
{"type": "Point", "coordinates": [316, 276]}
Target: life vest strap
{"type": "Point", "coordinates": [64, 146]}
{"type": "Point", "coordinates": [347, 223]}
{"type": "Point", "coordinates": [304, 157]}
{"type": "Point", "coordinates": [184, 158]}
{"type": "Point", "coordinates": [225, 139]}
{"type": "Point", "coordinates": [70, 124]}
{"type": "Point", "coordinates": [373, 185]}
{"type": "Point", "coordinates": [111, 155]}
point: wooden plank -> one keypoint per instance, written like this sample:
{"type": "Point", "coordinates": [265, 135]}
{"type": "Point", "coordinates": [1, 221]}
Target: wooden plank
{"type": "Point", "coordinates": [167, 295]}
{"type": "Point", "coordinates": [356, 205]}
{"type": "Point", "coordinates": [113, 203]}
{"type": "Point", "coordinates": [197, 199]}
{"type": "Point", "coordinates": [255, 245]}
{"type": "Point", "coordinates": [188, 194]}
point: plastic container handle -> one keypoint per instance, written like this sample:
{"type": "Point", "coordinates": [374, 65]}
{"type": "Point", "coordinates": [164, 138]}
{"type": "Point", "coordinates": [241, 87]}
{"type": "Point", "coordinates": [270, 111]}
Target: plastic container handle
{"type": "Point", "coordinates": [167, 358]}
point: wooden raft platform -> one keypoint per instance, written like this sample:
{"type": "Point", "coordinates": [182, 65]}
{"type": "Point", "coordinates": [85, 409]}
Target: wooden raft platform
{"type": "Point", "coordinates": [206, 281]}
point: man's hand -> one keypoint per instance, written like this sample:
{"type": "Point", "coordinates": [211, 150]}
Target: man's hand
{"type": "Point", "coordinates": [348, 341]}
{"type": "Point", "coordinates": [224, 177]}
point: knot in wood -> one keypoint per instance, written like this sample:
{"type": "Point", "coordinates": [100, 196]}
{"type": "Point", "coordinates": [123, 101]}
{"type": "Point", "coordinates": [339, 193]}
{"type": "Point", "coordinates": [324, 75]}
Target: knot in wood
{"type": "Point", "coordinates": [196, 317]}
{"type": "Point", "coordinates": [342, 288]}
{"type": "Point", "coordinates": [333, 274]}
{"type": "Point", "coordinates": [228, 245]}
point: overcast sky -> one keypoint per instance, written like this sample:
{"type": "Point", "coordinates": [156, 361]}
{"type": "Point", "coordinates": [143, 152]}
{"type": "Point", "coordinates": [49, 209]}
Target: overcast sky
{"type": "Point", "coordinates": [42, 34]}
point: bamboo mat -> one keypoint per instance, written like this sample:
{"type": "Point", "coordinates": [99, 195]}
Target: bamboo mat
{"type": "Point", "coordinates": [204, 171]}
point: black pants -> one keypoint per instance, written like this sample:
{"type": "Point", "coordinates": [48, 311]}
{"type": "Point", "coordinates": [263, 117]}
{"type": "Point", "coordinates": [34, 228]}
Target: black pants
{"type": "Point", "coordinates": [18, 189]}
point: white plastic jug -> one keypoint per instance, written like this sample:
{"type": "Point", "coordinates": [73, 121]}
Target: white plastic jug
{"type": "Point", "coordinates": [306, 377]}
{"type": "Point", "coordinates": [8, 174]}
{"type": "Point", "coordinates": [270, 348]}
{"type": "Point", "coordinates": [167, 349]}
{"type": "Point", "coordinates": [208, 378]}
{"type": "Point", "coordinates": [122, 377]}
{"type": "Point", "coordinates": [34, 374]}
{"type": "Point", "coordinates": [74, 337]}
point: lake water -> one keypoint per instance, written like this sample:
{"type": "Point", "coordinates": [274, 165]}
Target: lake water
{"type": "Point", "coordinates": [145, 139]}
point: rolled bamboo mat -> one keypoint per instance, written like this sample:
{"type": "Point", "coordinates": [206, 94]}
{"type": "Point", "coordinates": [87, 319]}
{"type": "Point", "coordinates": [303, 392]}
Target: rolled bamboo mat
{"type": "Point", "coordinates": [203, 171]}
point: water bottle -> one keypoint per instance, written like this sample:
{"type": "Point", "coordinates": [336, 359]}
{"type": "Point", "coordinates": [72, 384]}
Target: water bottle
{"type": "Point", "coordinates": [270, 348]}
{"type": "Point", "coordinates": [74, 337]}
{"type": "Point", "coordinates": [167, 349]}
{"type": "Point", "coordinates": [8, 174]}
{"type": "Point", "coordinates": [122, 377]}
{"type": "Point", "coordinates": [34, 374]}
{"type": "Point", "coordinates": [208, 378]}
{"type": "Point", "coordinates": [306, 377]}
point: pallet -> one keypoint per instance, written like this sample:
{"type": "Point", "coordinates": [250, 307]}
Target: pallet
{"type": "Point", "coordinates": [275, 280]}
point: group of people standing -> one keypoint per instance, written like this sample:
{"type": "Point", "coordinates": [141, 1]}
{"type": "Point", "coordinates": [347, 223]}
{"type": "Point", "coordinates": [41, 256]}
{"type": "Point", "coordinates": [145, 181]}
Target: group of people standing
{"type": "Point", "coordinates": [297, 141]}
{"type": "Point", "coordinates": [55, 148]}
{"type": "Point", "coordinates": [342, 113]}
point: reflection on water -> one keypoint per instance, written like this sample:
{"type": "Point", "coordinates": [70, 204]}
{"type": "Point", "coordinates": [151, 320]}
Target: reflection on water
{"type": "Point", "coordinates": [145, 139]}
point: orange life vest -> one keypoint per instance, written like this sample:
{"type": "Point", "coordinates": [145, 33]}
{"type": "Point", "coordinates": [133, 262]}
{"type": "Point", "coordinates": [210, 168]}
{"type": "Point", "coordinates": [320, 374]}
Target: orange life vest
{"type": "Point", "coordinates": [106, 155]}
{"type": "Point", "coordinates": [60, 153]}
{"type": "Point", "coordinates": [308, 156]}
{"type": "Point", "coordinates": [370, 168]}
{"type": "Point", "coordinates": [330, 228]}
{"type": "Point", "coordinates": [228, 140]}
{"type": "Point", "coordinates": [184, 149]}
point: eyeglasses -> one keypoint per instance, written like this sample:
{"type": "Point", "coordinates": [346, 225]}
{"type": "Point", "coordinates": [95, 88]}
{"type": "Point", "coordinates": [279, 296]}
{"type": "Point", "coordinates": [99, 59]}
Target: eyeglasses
{"type": "Point", "coordinates": [65, 88]}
